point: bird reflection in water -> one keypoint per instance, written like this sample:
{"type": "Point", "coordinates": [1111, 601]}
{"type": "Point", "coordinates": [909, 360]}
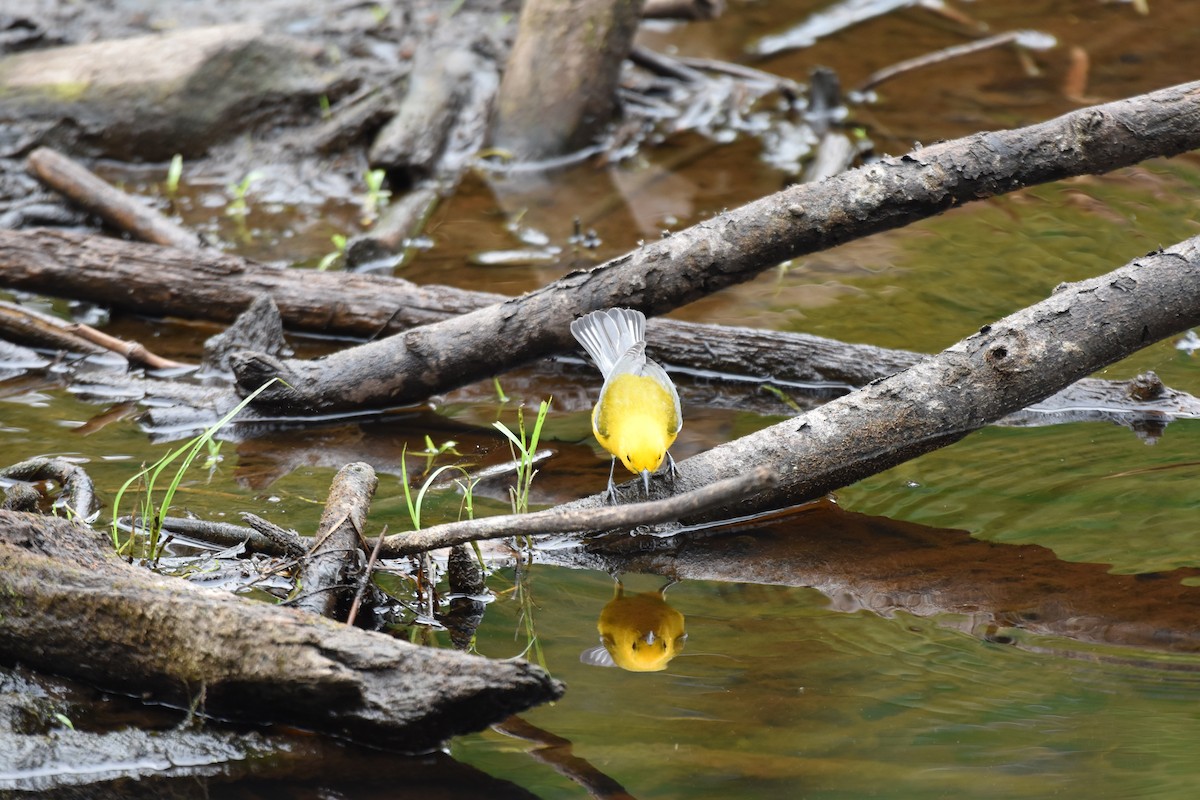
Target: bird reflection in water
{"type": "Point", "coordinates": [638, 632]}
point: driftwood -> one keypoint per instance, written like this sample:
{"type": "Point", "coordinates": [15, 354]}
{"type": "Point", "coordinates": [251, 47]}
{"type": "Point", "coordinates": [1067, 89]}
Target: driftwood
{"type": "Point", "coordinates": [559, 85]}
{"type": "Point", "coordinates": [442, 119]}
{"type": "Point", "coordinates": [125, 213]}
{"type": "Point", "coordinates": [730, 248]}
{"type": "Point", "coordinates": [150, 97]}
{"type": "Point", "coordinates": [177, 643]}
{"type": "Point", "coordinates": [327, 577]}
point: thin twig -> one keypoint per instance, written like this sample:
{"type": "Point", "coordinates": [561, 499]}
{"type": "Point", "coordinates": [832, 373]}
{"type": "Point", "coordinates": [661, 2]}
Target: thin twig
{"type": "Point", "coordinates": [366, 577]}
{"type": "Point", "coordinates": [1022, 38]}
{"type": "Point", "coordinates": [579, 521]}
{"type": "Point", "coordinates": [43, 330]}
{"type": "Point", "coordinates": [132, 351]}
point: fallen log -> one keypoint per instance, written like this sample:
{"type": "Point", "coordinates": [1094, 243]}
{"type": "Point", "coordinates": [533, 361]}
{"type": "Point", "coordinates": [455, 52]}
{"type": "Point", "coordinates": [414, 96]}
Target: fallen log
{"type": "Point", "coordinates": [161, 281]}
{"type": "Point", "coordinates": [176, 643]}
{"type": "Point", "coordinates": [149, 97]}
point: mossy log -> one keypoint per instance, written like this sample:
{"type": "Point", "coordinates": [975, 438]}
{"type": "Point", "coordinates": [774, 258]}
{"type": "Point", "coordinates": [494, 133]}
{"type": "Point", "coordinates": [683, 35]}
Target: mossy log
{"type": "Point", "coordinates": [70, 607]}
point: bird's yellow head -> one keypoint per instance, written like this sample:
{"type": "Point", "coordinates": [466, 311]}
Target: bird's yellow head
{"type": "Point", "coordinates": [641, 443]}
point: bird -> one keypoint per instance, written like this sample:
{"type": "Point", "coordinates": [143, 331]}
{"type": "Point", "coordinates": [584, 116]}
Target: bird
{"type": "Point", "coordinates": [638, 633]}
{"type": "Point", "coordinates": [637, 416]}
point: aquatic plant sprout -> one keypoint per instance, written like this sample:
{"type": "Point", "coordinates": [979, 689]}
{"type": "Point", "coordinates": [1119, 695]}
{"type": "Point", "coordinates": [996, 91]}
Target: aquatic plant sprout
{"type": "Point", "coordinates": [523, 450]}
{"type": "Point", "coordinates": [152, 512]}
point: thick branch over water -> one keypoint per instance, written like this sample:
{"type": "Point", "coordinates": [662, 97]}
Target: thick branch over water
{"type": "Point", "coordinates": [1019, 360]}
{"type": "Point", "coordinates": [731, 248]}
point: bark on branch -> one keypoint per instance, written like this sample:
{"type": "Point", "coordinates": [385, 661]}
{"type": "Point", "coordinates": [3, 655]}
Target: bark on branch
{"type": "Point", "coordinates": [731, 248]}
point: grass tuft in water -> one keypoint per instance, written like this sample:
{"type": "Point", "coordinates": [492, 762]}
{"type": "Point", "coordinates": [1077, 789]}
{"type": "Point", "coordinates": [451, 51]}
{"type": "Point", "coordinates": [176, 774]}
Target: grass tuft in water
{"type": "Point", "coordinates": [523, 448]}
{"type": "Point", "coordinates": [149, 478]}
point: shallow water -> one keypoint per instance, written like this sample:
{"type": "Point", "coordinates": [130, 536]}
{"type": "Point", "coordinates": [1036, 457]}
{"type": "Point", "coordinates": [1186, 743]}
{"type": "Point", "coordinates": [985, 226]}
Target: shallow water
{"type": "Point", "coordinates": [784, 690]}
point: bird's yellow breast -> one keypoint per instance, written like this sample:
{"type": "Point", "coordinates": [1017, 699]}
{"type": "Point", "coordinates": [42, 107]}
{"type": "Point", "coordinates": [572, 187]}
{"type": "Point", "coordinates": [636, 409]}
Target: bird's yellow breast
{"type": "Point", "coordinates": [636, 421]}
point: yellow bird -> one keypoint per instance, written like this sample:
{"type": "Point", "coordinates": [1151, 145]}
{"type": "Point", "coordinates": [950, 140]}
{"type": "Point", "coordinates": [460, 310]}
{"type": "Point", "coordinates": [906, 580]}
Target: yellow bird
{"type": "Point", "coordinates": [637, 416]}
{"type": "Point", "coordinates": [639, 633]}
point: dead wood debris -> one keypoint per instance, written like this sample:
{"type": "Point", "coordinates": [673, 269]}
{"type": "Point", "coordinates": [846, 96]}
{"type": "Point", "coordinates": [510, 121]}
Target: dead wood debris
{"type": "Point", "coordinates": [78, 493]}
{"type": "Point", "coordinates": [122, 211]}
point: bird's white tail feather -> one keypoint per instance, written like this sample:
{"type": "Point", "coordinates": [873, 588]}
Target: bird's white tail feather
{"type": "Point", "coordinates": [607, 335]}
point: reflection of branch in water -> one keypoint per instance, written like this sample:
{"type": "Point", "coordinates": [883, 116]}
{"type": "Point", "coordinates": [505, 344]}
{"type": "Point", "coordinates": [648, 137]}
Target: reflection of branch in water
{"type": "Point", "coordinates": [999, 592]}
{"type": "Point", "coordinates": [555, 752]}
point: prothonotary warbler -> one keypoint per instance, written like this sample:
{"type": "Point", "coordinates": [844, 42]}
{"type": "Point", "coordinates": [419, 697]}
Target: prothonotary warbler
{"type": "Point", "coordinates": [637, 416]}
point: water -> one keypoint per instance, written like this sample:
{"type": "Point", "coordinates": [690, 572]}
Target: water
{"type": "Point", "coordinates": [982, 671]}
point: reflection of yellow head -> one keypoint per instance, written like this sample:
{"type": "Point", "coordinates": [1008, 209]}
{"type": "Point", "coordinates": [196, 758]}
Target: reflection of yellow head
{"type": "Point", "coordinates": [640, 633]}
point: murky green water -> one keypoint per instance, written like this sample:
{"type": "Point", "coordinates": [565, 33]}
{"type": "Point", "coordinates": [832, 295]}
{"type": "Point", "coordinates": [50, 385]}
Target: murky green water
{"type": "Point", "coordinates": [778, 696]}
{"type": "Point", "coordinates": [778, 693]}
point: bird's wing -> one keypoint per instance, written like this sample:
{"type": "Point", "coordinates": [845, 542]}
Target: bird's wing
{"type": "Point", "coordinates": [653, 370]}
{"type": "Point", "coordinates": [633, 362]}
{"type": "Point", "coordinates": [608, 335]}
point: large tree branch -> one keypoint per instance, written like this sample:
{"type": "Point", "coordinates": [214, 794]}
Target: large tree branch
{"type": "Point", "coordinates": [731, 248]}
{"type": "Point", "coordinates": [154, 280]}
{"type": "Point", "coordinates": [1019, 360]}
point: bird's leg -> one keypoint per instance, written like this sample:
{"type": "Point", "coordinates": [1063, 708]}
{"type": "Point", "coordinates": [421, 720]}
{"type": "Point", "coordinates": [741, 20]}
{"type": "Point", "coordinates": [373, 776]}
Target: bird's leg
{"type": "Point", "coordinates": [612, 489]}
{"type": "Point", "coordinates": [672, 470]}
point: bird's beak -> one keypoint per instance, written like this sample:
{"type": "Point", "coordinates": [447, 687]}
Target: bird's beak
{"type": "Point", "coordinates": [646, 481]}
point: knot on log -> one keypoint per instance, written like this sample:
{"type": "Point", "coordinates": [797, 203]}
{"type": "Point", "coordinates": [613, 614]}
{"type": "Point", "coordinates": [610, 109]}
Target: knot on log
{"type": "Point", "coordinates": [1008, 353]}
{"type": "Point", "coordinates": [252, 369]}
